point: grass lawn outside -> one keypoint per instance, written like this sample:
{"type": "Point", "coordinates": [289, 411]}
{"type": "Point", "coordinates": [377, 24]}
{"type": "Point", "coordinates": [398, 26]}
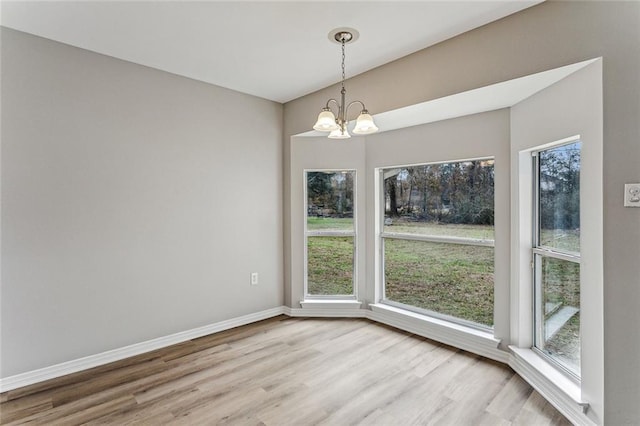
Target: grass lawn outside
{"type": "Point", "coordinates": [329, 223]}
{"type": "Point", "coordinates": [330, 265]}
{"type": "Point", "coordinates": [330, 262]}
{"type": "Point", "coordinates": [451, 279]}
{"type": "Point", "coordinates": [562, 239]}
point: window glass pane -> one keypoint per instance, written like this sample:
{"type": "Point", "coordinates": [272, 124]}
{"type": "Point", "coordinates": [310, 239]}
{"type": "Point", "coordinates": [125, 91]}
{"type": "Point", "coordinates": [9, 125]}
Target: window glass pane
{"type": "Point", "coordinates": [559, 188]}
{"type": "Point", "coordinates": [559, 336]}
{"type": "Point", "coordinates": [330, 200]}
{"type": "Point", "coordinates": [452, 199]}
{"type": "Point", "coordinates": [330, 265]}
{"type": "Point", "coordinates": [450, 279]}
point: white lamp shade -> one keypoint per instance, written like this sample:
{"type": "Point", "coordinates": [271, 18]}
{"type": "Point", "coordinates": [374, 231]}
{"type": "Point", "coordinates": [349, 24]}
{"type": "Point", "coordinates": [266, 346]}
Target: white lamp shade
{"type": "Point", "coordinates": [365, 124]}
{"type": "Point", "coordinates": [326, 122]}
{"type": "Point", "coordinates": [339, 134]}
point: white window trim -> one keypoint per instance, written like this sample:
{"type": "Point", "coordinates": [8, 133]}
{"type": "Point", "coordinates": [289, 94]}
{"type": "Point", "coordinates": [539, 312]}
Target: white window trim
{"type": "Point", "coordinates": [438, 239]}
{"type": "Point", "coordinates": [310, 301]}
{"type": "Point", "coordinates": [556, 254]}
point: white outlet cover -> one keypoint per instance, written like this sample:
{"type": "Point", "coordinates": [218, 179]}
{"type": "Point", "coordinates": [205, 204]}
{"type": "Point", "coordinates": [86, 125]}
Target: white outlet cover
{"type": "Point", "coordinates": [632, 194]}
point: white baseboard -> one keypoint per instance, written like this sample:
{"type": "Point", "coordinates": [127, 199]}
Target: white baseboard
{"type": "Point", "coordinates": [76, 365]}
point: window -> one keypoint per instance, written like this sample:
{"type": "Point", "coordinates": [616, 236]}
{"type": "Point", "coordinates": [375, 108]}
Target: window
{"type": "Point", "coordinates": [330, 233]}
{"type": "Point", "coordinates": [437, 240]}
{"type": "Point", "coordinates": [556, 255]}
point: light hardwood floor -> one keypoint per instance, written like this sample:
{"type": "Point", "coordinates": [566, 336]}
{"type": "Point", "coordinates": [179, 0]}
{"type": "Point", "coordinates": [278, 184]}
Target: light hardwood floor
{"type": "Point", "coordinates": [289, 371]}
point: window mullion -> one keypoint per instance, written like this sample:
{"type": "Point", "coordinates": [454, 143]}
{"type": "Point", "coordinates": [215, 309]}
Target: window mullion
{"type": "Point", "coordinates": [320, 233]}
{"type": "Point", "coordinates": [438, 239]}
{"type": "Point", "coordinates": [557, 254]}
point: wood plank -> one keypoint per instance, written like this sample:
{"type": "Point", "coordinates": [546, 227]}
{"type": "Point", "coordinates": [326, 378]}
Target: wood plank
{"type": "Point", "coordinates": [24, 407]}
{"type": "Point", "coordinates": [508, 403]}
{"type": "Point", "coordinates": [537, 411]}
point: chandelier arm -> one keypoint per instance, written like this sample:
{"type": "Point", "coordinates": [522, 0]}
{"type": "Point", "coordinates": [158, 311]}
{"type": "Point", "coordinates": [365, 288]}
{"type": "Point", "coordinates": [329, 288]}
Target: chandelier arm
{"type": "Point", "coordinates": [334, 101]}
{"type": "Point", "coordinates": [351, 103]}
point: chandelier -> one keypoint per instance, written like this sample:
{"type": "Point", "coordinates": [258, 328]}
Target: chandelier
{"type": "Point", "coordinates": [336, 124]}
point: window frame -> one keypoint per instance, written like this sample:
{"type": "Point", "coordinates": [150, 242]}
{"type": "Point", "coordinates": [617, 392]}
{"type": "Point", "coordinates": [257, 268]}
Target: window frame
{"type": "Point", "coordinates": [539, 252]}
{"type": "Point", "coordinates": [382, 235]}
{"type": "Point", "coordinates": [330, 233]}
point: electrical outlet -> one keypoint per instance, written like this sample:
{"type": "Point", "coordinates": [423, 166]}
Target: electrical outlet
{"type": "Point", "coordinates": [254, 278]}
{"type": "Point", "coordinates": [632, 194]}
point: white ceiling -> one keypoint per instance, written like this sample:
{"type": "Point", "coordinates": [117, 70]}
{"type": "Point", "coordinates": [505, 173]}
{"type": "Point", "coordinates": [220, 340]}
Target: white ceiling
{"type": "Point", "coordinates": [274, 50]}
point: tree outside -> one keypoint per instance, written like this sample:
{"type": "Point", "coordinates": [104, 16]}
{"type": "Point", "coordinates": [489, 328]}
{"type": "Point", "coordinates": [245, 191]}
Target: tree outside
{"type": "Point", "coordinates": [559, 187]}
{"type": "Point", "coordinates": [330, 194]}
{"type": "Point", "coordinates": [447, 193]}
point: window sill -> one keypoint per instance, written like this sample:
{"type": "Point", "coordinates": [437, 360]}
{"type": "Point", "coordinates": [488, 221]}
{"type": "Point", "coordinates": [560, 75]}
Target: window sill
{"type": "Point", "coordinates": [555, 387]}
{"type": "Point", "coordinates": [467, 338]}
{"type": "Point", "coordinates": [330, 304]}
{"type": "Point", "coordinates": [328, 308]}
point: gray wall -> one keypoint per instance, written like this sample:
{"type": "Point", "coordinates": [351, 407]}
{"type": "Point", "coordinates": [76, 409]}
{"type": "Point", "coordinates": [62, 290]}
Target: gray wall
{"type": "Point", "coordinates": [135, 203]}
{"type": "Point", "coordinates": [543, 37]}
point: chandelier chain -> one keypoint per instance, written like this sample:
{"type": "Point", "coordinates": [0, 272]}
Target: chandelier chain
{"type": "Point", "coordinates": [343, 57]}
